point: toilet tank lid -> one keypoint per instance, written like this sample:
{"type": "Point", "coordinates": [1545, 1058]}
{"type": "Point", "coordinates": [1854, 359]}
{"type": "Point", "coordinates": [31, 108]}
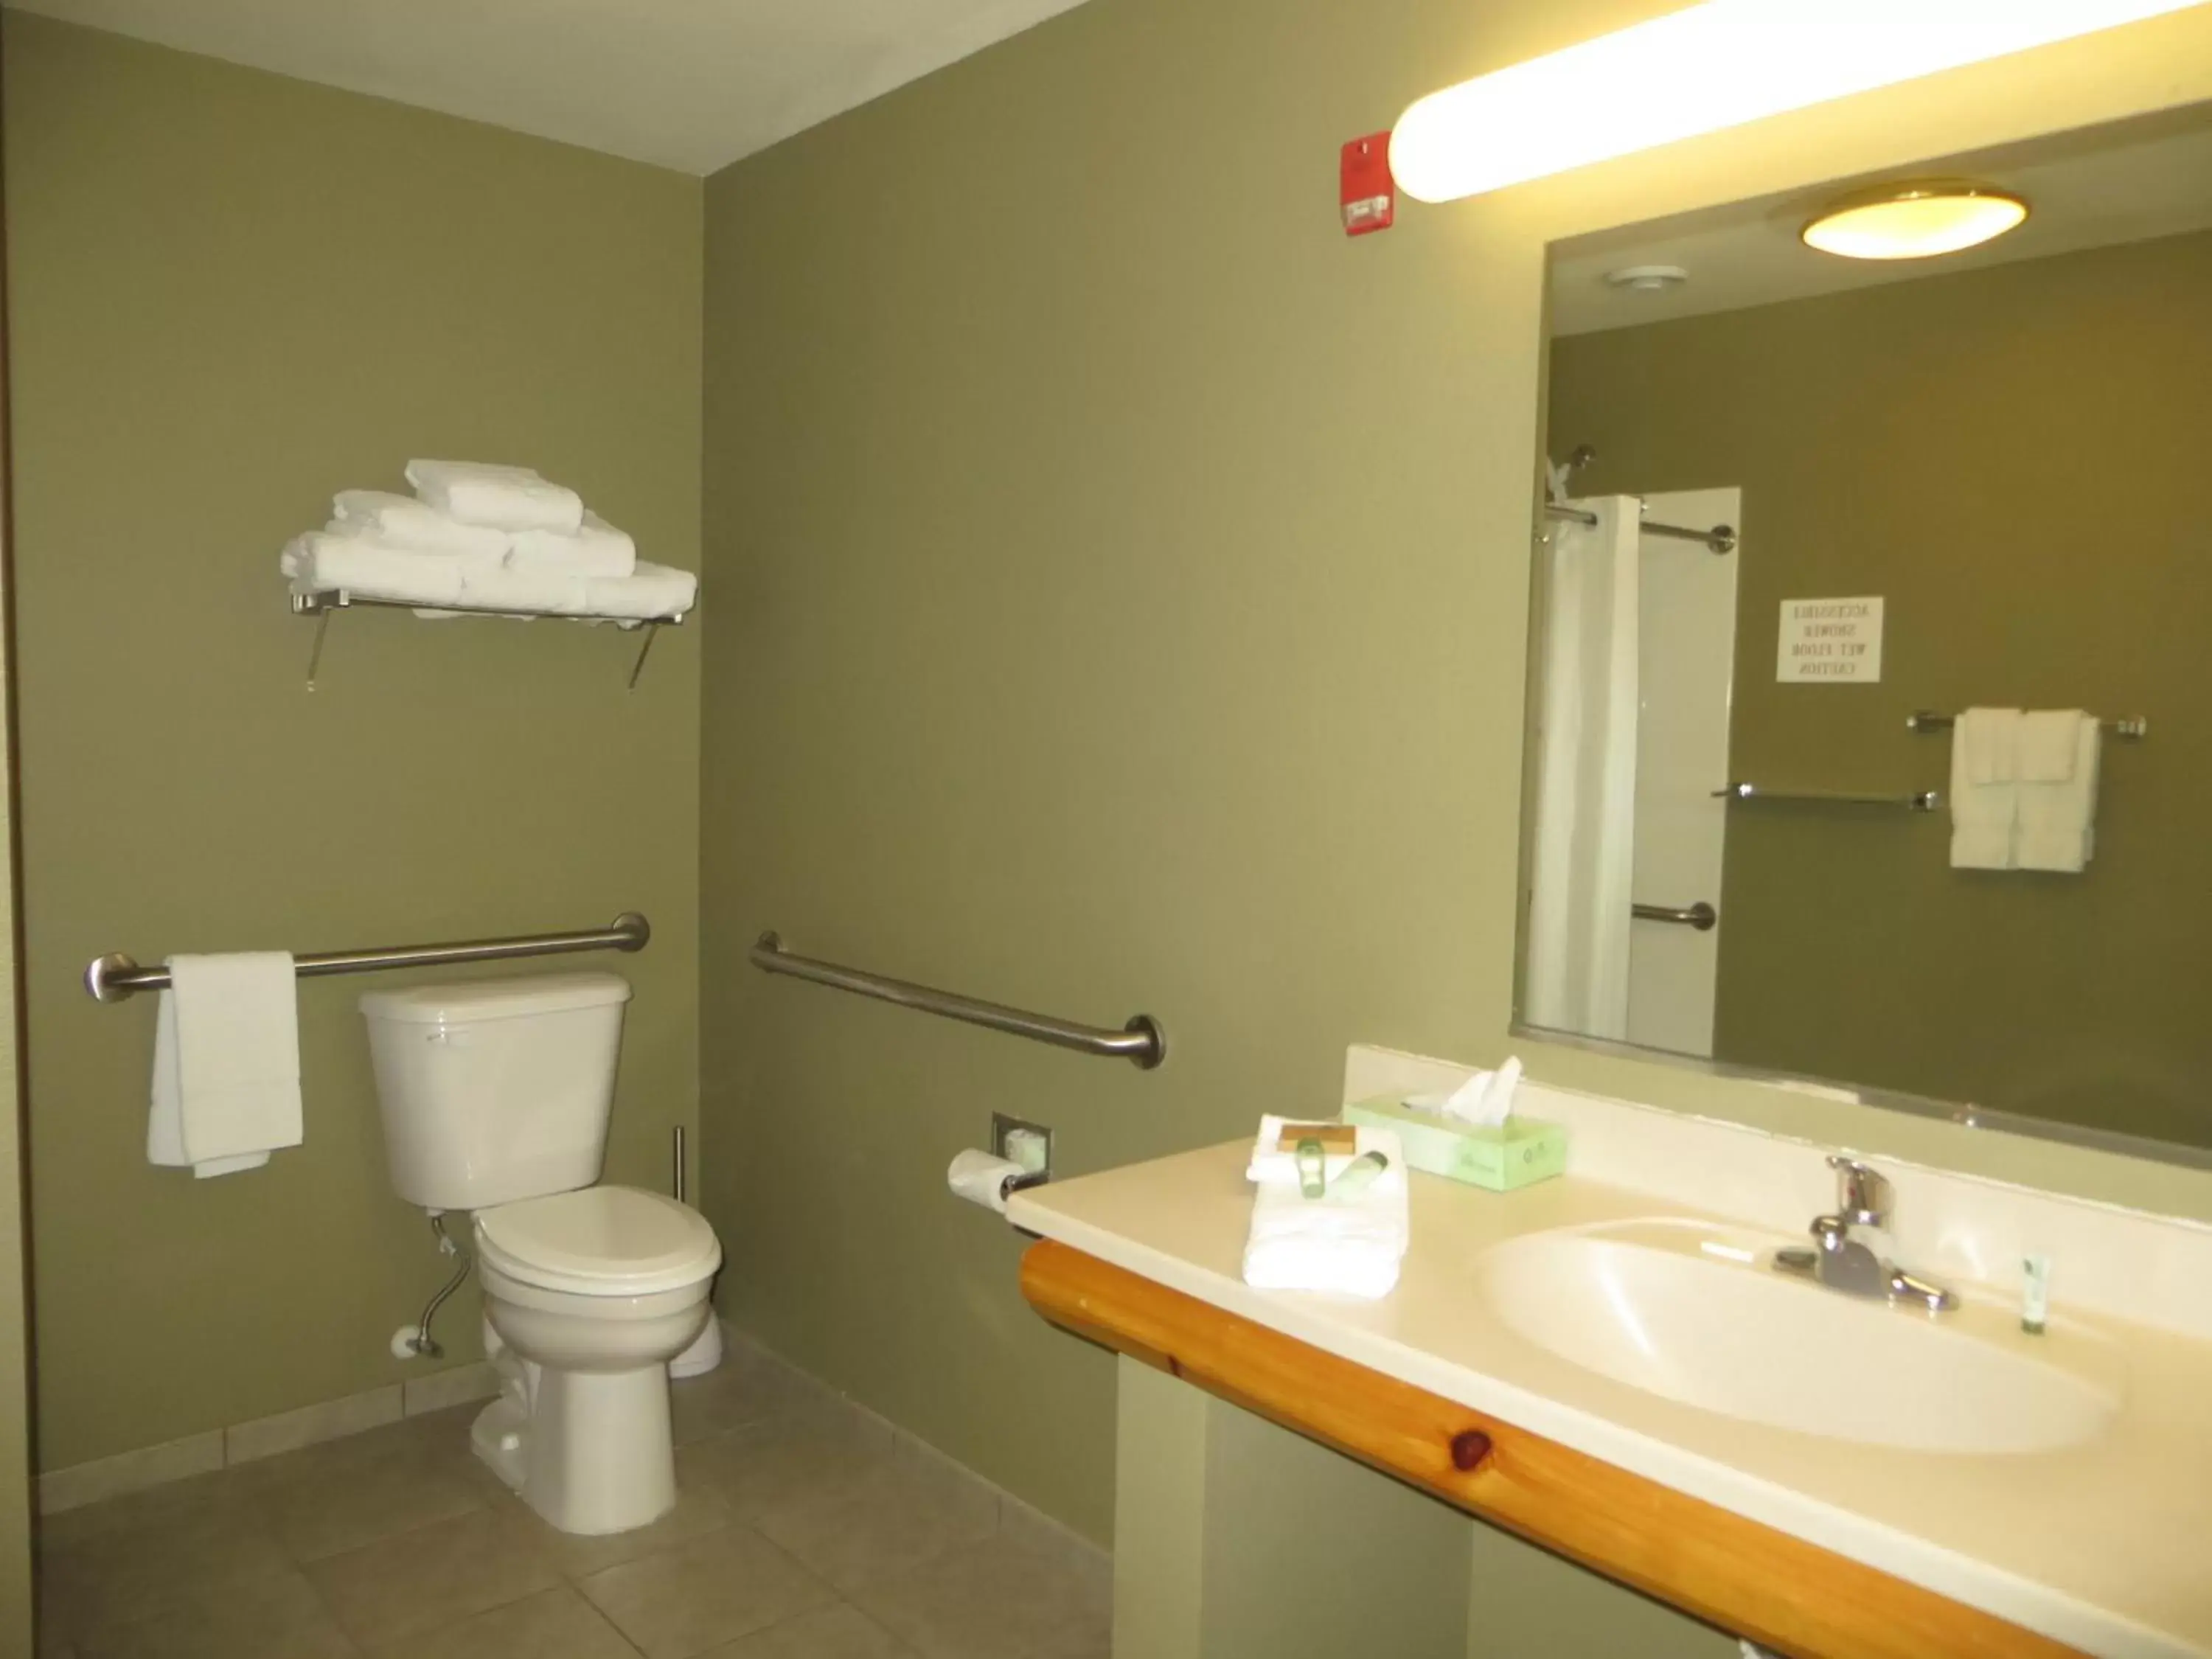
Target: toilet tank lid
{"type": "Point", "coordinates": [464, 1001]}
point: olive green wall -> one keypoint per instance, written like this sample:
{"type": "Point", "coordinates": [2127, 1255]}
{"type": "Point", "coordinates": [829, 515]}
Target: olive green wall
{"type": "Point", "coordinates": [2011, 456]}
{"type": "Point", "coordinates": [1127, 578]}
{"type": "Point", "coordinates": [232, 294]}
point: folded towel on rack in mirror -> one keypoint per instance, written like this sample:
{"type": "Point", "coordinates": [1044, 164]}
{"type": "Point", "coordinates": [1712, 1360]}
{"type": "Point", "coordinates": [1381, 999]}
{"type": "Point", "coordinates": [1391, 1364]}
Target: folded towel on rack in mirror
{"type": "Point", "coordinates": [226, 1089]}
{"type": "Point", "coordinates": [402, 521]}
{"type": "Point", "coordinates": [597, 550]}
{"type": "Point", "coordinates": [2048, 744]}
{"type": "Point", "coordinates": [649, 591]}
{"type": "Point", "coordinates": [320, 563]}
{"type": "Point", "coordinates": [1984, 798]}
{"type": "Point", "coordinates": [502, 497]}
{"type": "Point", "coordinates": [2058, 818]}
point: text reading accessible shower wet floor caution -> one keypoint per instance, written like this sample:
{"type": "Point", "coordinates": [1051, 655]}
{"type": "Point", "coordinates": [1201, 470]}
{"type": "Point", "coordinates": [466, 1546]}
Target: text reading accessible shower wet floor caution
{"type": "Point", "coordinates": [1834, 641]}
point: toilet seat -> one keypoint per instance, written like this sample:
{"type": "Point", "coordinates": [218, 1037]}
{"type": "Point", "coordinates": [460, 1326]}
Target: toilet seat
{"type": "Point", "coordinates": [598, 1241]}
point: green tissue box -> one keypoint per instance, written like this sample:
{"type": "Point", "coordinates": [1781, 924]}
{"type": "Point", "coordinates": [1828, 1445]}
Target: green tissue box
{"type": "Point", "coordinates": [1519, 1151]}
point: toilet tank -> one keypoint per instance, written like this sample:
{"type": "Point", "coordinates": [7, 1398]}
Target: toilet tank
{"type": "Point", "coordinates": [495, 1090]}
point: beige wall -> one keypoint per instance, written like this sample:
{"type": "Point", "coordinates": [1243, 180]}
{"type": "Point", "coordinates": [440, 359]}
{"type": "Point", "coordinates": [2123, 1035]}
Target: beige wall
{"type": "Point", "coordinates": [2010, 457]}
{"type": "Point", "coordinates": [233, 295]}
{"type": "Point", "coordinates": [1127, 581]}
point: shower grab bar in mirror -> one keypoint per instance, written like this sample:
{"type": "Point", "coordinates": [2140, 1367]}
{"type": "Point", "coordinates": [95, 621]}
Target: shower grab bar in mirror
{"type": "Point", "coordinates": [1926, 801]}
{"type": "Point", "coordinates": [1141, 1040]}
{"type": "Point", "coordinates": [2135, 728]}
{"type": "Point", "coordinates": [111, 978]}
{"type": "Point", "coordinates": [1721, 538]}
{"type": "Point", "coordinates": [1701, 915]}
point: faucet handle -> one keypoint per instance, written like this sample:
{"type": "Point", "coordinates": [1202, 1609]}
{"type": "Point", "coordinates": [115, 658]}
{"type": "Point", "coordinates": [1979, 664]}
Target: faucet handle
{"type": "Point", "coordinates": [1862, 1194]}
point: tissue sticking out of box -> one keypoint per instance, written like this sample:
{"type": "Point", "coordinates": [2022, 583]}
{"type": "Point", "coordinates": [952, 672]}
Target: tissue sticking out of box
{"type": "Point", "coordinates": [1486, 1099]}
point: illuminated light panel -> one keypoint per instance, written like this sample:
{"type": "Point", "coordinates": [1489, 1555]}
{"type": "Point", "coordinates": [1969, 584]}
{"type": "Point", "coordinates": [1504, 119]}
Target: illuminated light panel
{"type": "Point", "coordinates": [1916, 221]}
{"type": "Point", "coordinates": [1712, 66]}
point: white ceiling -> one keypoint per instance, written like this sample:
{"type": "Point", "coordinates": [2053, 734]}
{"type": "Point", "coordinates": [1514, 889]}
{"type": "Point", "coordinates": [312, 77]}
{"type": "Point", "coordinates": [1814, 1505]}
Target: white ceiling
{"type": "Point", "coordinates": [689, 84]}
{"type": "Point", "coordinates": [2102, 185]}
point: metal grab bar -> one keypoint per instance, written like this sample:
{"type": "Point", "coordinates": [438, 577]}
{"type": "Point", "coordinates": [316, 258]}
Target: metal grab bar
{"type": "Point", "coordinates": [1141, 1040]}
{"type": "Point", "coordinates": [1701, 915]}
{"type": "Point", "coordinates": [2134, 728]}
{"type": "Point", "coordinates": [1721, 538]}
{"type": "Point", "coordinates": [114, 977]}
{"type": "Point", "coordinates": [1926, 801]}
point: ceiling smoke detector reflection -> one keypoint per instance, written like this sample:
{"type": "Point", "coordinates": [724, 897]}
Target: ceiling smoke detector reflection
{"type": "Point", "coordinates": [1647, 279]}
{"type": "Point", "coordinates": [1915, 221]}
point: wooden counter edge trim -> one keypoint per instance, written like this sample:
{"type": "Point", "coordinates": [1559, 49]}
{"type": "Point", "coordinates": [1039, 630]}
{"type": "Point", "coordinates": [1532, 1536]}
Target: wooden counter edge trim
{"type": "Point", "coordinates": [1748, 1578]}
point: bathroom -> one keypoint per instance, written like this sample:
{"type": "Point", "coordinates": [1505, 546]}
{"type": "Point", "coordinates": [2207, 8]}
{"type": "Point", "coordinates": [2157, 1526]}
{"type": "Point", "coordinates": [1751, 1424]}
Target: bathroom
{"type": "Point", "coordinates": [1115, 594]}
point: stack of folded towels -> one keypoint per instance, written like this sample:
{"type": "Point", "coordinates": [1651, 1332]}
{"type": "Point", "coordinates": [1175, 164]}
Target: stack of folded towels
{"type": "Point", "coordinates": [1348, 1244]}
{"type": "Point", "coordinates": [486, 537]}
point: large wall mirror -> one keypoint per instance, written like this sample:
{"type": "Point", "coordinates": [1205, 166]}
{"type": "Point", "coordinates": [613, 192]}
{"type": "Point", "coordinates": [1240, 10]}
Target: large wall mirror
{"type": "Point", "coordinates": [1871, 678]}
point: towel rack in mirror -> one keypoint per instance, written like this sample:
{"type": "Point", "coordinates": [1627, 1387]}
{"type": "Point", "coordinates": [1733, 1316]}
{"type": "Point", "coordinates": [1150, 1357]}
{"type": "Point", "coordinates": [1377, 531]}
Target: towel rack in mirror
{"type": "Point", "coordinates": [114, 977]}
{"type": "Point", "coordinates": [1926, 801]}
{"type": "Point", "coordinates": [2134, 728]}
{"type": "Point", "coordinates": [323, 603]}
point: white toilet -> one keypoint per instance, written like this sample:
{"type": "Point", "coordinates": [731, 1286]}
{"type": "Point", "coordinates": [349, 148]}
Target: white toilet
{"type": "Point", "coordinates": [496, 1095]}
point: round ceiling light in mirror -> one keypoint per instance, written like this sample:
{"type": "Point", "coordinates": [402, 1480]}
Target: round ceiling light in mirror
{"type": "Point", "coordinates": [1915, 221]}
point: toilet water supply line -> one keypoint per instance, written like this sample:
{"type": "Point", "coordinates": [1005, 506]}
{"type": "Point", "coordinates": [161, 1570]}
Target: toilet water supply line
{"type": "Point", "coordinates": [422, 1343]}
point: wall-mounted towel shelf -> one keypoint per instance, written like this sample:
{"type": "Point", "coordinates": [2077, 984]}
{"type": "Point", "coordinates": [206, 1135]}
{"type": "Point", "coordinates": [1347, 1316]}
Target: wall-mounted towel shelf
{"type": "Point", "coordinates": [1926, 801]}
{"type": "Point", "coordinates": [322, 605]}
{"type": "Point", "coordinates": [115, 977]}
{"type": "Point", "coordinates": [2133, 729]}
{"type": "Point", "coordinates": [1141, 1040]}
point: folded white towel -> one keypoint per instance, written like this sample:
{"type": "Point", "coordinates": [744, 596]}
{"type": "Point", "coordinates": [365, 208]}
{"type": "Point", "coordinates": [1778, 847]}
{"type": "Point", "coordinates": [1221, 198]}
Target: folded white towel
{"type": "Point", "coordinates": [320, 563]}
{"type": "Point", "coordinates": [2049, 741]}
{"type": "Point", "coordinates": [1266, 1163]}
{"type": "Point", "coordinates": [597, 550]}
{"type": "Point", "coordinates": [1349, 1246]}
{"type": "Point", "coordinates": [649, 591]}
{"type": "Point", "coordinates": [226, 1064]}
{"type": "Point", "coordinates": [503, 497]}
{"type": "Point", "coordinates": [403, 521]}
{"type": "Point", "coordinates": [2058, 820]}
{"type": "Point", "coordinates": [519, 591]}
{"type": "Point", "coordinates": [1984, 799]}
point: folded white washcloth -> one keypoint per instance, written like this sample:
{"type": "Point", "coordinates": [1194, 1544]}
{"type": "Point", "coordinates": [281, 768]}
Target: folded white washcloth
{"type": "Point", "coordinates": [597, 550]}
{"type": "Point", "coordinates": [2050, 741]}
{"type": "Point", "coordinates": [1351, 1246]}
{"type": "Point", "coordinates": [403, 521]}
{"type": "Point", "coordinates": [226, 1089]}
{"type": "Point", "coordinates": [2058, 819]}
{"type": "Point", "coordinates": [649, 591]}
{"type": "Point", "coordinates": [1984, 797]}
{"type": "Point", "coordinates": [503, 497]}
{"type": "Point", "coordinates": [320, 563]}
{"type": "Point", "coordinates": [1268, 1164]}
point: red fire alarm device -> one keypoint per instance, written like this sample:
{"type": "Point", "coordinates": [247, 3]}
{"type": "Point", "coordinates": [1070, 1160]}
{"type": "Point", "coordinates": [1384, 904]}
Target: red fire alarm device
{"type": "Point", "coordinates": [1369, 199]}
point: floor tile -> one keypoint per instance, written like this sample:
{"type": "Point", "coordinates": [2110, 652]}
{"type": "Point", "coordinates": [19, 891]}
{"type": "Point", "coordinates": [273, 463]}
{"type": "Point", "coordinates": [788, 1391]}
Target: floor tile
{"type": "Point", "coordinates": [996, 1599]}
{"type": "Point", "coordinates": [898, 1514]}
{"type": "Point", "coordinates": [682, 1601]}
{"type": "Point", "coordinates": [812, 1458]}
{"type": "Point", "coordinates": [277, 1617]}
{"type": "Point", "coordinates": [742, 1390]}
{"type": "Point", "coordinates": [554, 1624]}
{"type": "Point", "coordinates": [699, 1509]}
{"type": "Point", "coordinates": [839, 1632]}
{"type": "Point", "coordinates": [166, 1562]}
{"type": "Point", "coordinates": [432, 1577]}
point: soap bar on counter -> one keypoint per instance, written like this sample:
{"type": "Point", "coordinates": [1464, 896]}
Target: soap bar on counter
{"type": "Point", "coordinates": [1514, 1153]}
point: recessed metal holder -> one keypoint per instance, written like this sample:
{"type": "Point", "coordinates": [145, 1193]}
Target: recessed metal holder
{"type": "Point", "coordinates": [1002, 1127]}
{"type": "Point", "coordinates": [321, 606]}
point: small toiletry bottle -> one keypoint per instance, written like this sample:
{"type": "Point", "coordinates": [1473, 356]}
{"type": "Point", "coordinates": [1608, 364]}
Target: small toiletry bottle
{"type": "Point", "coordinates": [1356, 1176]}
{"type": "Point", "coordinates": [2035, 1294]}
{"type": "Point", "coordinates": [1313, 1165]}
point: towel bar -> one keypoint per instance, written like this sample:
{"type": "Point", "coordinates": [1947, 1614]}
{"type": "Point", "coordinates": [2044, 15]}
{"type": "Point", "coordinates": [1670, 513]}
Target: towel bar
{"type": "Point", "coordinates": [1141, 1040]}
{"type": "Point", "coordinates": [2134, 728]}
{"type": "Point", "coordinates": [1926, 801]}
{"type": "Point", "coordinates": [114, 977]}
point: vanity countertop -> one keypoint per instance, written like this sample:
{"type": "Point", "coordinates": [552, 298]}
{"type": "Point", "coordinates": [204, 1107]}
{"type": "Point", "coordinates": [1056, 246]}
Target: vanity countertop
{"type": "Point", "coordinates": [2104, 1545]}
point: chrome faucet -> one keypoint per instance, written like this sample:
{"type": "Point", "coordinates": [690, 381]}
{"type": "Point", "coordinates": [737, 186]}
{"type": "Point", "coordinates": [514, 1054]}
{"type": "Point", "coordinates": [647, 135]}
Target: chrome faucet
{"type": "Point", "coordinates": [1841, 1263]}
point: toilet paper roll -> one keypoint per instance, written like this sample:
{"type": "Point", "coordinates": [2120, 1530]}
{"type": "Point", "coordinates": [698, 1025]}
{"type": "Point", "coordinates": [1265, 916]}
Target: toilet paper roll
{"type": "Point", "coordinates": [982, 1179]}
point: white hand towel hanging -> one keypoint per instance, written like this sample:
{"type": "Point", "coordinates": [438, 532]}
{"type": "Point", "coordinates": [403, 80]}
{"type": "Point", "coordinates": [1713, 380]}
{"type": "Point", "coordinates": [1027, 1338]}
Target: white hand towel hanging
{"type": "Point", "coordinates": [226, 1088]}
{"type": "Point", "coordinates": [1984, 789]}
{"type": "Point", "coordinates": [2058, 815]}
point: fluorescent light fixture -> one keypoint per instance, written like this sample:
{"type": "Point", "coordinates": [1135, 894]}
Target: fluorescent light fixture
{"type": "Point", "coordinates": [1915, 221]}
{"type": "Point", "coordinates": [1715, 65]}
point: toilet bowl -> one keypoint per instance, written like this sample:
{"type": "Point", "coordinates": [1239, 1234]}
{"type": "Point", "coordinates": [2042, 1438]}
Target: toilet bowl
{"type": "Point", "coordinates": [589, 1295]}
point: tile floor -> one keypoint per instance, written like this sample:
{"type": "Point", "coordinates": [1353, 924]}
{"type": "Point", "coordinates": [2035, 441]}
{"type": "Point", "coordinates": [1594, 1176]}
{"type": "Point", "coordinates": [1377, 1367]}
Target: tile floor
{"type": "Point", "coordinates": [806, 1530]}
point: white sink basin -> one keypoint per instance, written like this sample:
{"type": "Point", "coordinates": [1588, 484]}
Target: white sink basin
{"type": "Point", "coordinates": [1696, 1313]}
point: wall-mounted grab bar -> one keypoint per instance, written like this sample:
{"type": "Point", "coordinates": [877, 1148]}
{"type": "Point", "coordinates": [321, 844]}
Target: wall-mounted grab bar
{"type": "Point", "coordinates": [1701, 915]}
{"type": "Point", "coordinates": [1926, 801]}
{"type": "Point", "coordinates": [1721, 538]}
{"type": "Point", "coordinates": [113, 978]}
{"type": "Point", "coordinates": [2134, 728]}
{"type": "Point", "coordinates": [1141, 1040]}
